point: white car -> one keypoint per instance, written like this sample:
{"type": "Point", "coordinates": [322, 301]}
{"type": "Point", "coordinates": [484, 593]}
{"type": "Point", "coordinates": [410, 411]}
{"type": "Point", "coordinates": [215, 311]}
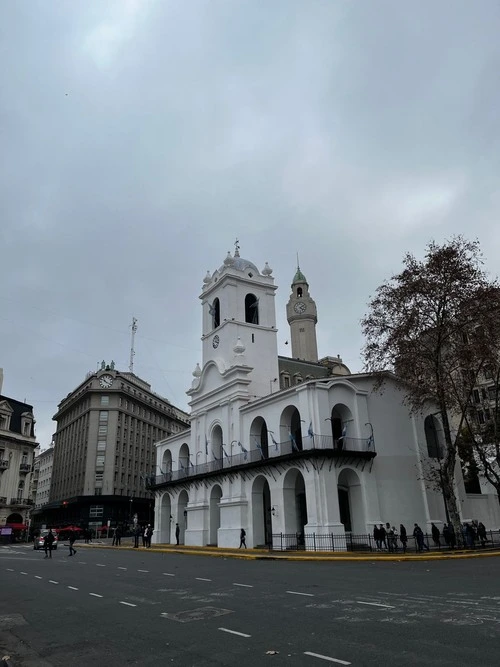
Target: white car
{"type": "Point", "coordinates": [39, 539]}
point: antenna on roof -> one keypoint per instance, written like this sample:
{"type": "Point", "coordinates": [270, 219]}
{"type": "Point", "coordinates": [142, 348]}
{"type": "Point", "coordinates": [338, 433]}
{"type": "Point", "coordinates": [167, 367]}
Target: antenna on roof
{"type": "Point", "coordinates": [132, 343]}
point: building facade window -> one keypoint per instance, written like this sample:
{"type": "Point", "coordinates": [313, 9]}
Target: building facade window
{"type": "Point", "coordinates": [103, 416]}
{"type": "Point", "coordinates": [104, 400]}
{"type": "Point", "coordinates": [96, 511]}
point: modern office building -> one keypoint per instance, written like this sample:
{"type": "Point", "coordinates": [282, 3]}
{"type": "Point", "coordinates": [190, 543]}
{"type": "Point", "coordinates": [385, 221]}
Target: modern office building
{"type": "Point", "coordinates": [42, 476]}
{"type": "Point", "coordinates": [103, 450]}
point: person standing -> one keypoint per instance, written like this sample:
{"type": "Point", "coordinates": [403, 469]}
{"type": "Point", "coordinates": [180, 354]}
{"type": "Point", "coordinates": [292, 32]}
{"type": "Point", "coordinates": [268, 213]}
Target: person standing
{"type": "Point", "coordinates": [114, 536]}
{"type": "Point", "coordinates": [118, 536]}
{"type": "Point", "coordinates": [376, 537]}
{"type": "Point", "coordinates": [137, 533]}
{"type": "Point", "coordinates": [481, 533]}
{"type": "Point", "coordinates": [243, 542]}
{"type": "Point", "coordinates": [145, 537]}
{"type": "Point", "coordinates": [435, 535]}
{"type": "Point", "coordinates": [48, 541]}
{"type": "Point", "coordinates": [419, 538]}
{"type": "Point", "coordinates": [383, 536]}
{"type": "Point", "coordinates": [72, 539]}
{"type": "Point", "coordinates": [403, 537]}
{"type": "Point", "coordinates": [149, 535]}
{"type": "Point", "coordinates": [177, 533]}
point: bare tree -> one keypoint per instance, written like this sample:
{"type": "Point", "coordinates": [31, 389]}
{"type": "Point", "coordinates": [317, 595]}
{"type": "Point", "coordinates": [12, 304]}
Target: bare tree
{"type": "Point", "coordinates": [436, 324]}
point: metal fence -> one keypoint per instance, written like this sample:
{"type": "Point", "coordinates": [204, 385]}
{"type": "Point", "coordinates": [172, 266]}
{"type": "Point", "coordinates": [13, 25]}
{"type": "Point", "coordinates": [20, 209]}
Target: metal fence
{"type": "Point", "coordinates": [366, 543]}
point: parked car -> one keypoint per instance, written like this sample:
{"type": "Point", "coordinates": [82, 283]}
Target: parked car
{"type": "Point", "coordinates": [39, 539]}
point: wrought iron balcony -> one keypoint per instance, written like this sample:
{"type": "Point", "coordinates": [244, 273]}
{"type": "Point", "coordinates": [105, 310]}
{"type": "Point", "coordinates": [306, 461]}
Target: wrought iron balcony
{"type": "Point", "coordinates": [311, 446]}
{"type": "Point", "coordinates": [25, 467]}
{"type": "Point", "coordinates": [21, 502]}
{"type": "Point", "coordinates": [4, 464]}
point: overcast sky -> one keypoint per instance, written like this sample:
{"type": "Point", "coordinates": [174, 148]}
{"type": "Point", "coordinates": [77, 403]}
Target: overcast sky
{"type": "Point", "coordinates": [139, 138]}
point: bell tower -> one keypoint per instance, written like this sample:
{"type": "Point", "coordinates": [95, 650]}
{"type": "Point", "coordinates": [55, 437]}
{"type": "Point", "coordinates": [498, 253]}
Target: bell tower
{"type": "Point", "coordinates": [302, 317]}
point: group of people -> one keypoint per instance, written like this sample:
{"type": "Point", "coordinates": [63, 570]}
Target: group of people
{"type": "Point", "coordinates": [386, 537]}
{"type": "Point", "coordinates": [146, 532]}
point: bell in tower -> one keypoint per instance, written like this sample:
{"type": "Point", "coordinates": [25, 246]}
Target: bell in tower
{"type": "Point", "coordinates": [302, 317]}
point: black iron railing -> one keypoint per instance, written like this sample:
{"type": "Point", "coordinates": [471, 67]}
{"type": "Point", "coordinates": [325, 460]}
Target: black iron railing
{"type": "Point", "coordinates": [366, 543]}
{"type": "Point", "coordinates": [339, 446]}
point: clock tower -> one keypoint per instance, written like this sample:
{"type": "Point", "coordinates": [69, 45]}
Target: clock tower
{"type": "Point", "coordinates": [302, 317]}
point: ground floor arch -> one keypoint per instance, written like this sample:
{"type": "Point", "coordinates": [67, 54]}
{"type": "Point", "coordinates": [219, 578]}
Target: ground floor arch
{"type": "Point", "coordinates": [165, 518]}
{"type": "Point", "coordinates": [15, 517]}
{"type": "Point", "coordinates": [351, 507]}
{"type": "Point", "coordinates": [182, 515]}
{"type": "Point", "coordinates": [261, 512]}
{"type": "Point", "coordinates": [214, 515]}
{"type": "Point", "coordinates": [295, 503]}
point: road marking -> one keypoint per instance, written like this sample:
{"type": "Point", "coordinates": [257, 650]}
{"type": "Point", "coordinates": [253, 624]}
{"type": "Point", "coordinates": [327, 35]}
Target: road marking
{"type": "Point", "coordinates": [23, 573]}
{"type": "Point", "coordinates": [53, 582]}
{"type": "Point", "coordinates": [233, 632]}
{"type": "Point", "coordinates": [129, 604]}
{"type": "Point", "coordinates": [9, 569]}
{"type": "Point", "coordinates": [326, 657]}
{"type": "Point", "coordinates": [96, 595]}
{"type": "Point", "coordinates": [376, 604]}
{"type": "Point", "coordinates": [202, 579]}
{"type": "Point", "coordinates": [142, 570]}
{"type": "Point", "coordinates": [73, 588]}
{"type": "Point", "coordinates": [242, 585]}
{"type": "Point", "coordinates": [81, 562]}
{"type": "Point", "coordinates": [122, 568]}
{"type": "Point", "coordinates": [309, 595]}
{"type": "Point", "coordinates": [100, 565]}
{"type": "Point", "coordinates": [37, 577]}
{"type": "Point", "coordinates": [167, 574]}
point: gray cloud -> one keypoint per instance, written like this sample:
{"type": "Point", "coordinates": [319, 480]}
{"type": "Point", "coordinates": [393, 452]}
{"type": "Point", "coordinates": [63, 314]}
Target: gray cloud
{"type": "Point", "coordinates": [141, 137]}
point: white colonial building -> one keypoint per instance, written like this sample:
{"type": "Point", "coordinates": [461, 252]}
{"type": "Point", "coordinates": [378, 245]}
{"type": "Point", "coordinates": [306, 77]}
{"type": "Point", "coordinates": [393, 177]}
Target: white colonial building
{"type": "Point", "coordinates": [291, 446]}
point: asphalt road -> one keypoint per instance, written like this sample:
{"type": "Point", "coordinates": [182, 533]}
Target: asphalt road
{"type": "Point", "coordinates": [115, 608]}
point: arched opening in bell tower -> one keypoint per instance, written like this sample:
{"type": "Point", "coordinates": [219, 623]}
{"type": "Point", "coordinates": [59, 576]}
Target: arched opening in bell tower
{"type": "Point", "coordinates": [251, 309]}
{"type": "Point", "coordinates": [299, 292]}
{"type": "Point", "coordinates": [215, 312]}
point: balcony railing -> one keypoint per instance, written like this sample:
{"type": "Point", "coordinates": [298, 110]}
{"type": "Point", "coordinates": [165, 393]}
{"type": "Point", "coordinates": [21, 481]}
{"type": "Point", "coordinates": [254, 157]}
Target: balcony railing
{"type": "Point", "coordinates": [4, 464]}
{"type": "Point", "coordinates": [336, 447]}
{"type": "Point", "coordinates": [25, 467]}
{"type": "Point", "coordinates": [21, 501]}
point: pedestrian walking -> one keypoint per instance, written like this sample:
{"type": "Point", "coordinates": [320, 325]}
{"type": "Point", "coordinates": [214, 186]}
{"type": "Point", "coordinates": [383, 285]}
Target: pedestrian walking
{"type": "Point", "coordinates": [419, 538]}
{"type": "Point", "coordinates": [149, 535]}
{"type": "Point", "coordinates": [177, 533]}
{"type": "Point", "coordinates": [72, 539]}
{"type": "Point", "coordinates": [403, 537]}
{"type": "Point", "coordinates": [114, 536]}
{"type": "Point", "coordinates": [118, 536]}
{"type": "Point", "coordinates": [481, 533]}
{"type": "Point", "coordinates": [48, 541]}
{"type": "Point", "coordinates": [435, 535]}
{"type": "Point", "coordinates": [383, 536]}
{"type": "Point", "coordinates": [243, 542]}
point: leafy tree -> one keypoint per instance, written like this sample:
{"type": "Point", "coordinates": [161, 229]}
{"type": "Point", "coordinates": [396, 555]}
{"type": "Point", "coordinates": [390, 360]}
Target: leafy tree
{"type": "Point", "coordinates": [436, 325]}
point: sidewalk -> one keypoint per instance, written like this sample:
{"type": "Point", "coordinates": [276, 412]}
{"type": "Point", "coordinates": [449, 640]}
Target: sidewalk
{"type": "Point", "coordinates": [264, 554]}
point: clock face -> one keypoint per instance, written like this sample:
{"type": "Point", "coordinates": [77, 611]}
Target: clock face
{"type": "Point", "coordinates": [300, 307]}
{"type": "Point", "coordinates": [106, 381]}
{"type": "Point", "coordinates": [215, 342]}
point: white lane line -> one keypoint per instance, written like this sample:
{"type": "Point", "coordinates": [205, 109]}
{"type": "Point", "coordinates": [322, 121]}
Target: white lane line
{"type": "Point", "coordinates": [73, 588]}
{"type": "Point", "coordinates": [95, 595]}
{"type": "Point", "coordinates": [327, 658]}
{"type": "Point", "coordinates": [122, 568]}
{"type": "Point", "coordinates": [202, 579]}
{"type": "Point", "coordinates": [233, 632]}
{"type": "Point", "coordinates": [242, 585]}
{"type": "Point", "coordinates": [142, 570]}
{"type": "Point", "coordinates": [129, 604]}
{"type": "Point", "coordinates": [37, 577]}
{"type": "Point", "coordinates": [23, 573]}
{"type": "Point", "coordinates": [80, 562]}
{"type": "Point", "coordinates": [100, 565]}
{"type": "Point", "coordinates": [53, 582]}
{"type": "Point", "coordinates": [309, 595]}
{"type": "Point", "coordinates": [167, 574]}
{"type": "Point", "coordinates": [376, 604]}
{"type": "Point", "coordinates": [9, 569]}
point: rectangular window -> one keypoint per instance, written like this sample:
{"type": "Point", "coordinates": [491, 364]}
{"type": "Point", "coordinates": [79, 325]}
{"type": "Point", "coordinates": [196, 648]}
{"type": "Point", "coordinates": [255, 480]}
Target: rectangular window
{"type": "Point", "coordinates": [100, 460]}
{"type": "Point", "coordinates": [101, 446]}
{"type": "Point", "coordinates": [103, 430]}
{"type": "Point", "coordinates": [493, 393]}
{"type": "Point", "coordinates": [98, 491]}
{"type": "Point", "coordinates": [480, 416]}
{"type": "Point", "coordinates": [96, 511]}
{"type": "Point", "coordinates": [103, 416]}
{"type": "Point", "coordinates": [484, 394]}
{"type": "Point", "coordinates": [477, 398]}
{"type": "Point", "coordinates": [104, 400]}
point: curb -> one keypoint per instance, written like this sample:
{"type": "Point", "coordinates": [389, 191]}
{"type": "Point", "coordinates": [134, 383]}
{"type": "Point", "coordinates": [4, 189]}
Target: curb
{"type": "Point", "coordinates": [264, 555]}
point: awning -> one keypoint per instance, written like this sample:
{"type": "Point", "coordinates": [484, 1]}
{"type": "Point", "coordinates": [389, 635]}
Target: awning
{"type": "Point", "coordinates": [16, 526]}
